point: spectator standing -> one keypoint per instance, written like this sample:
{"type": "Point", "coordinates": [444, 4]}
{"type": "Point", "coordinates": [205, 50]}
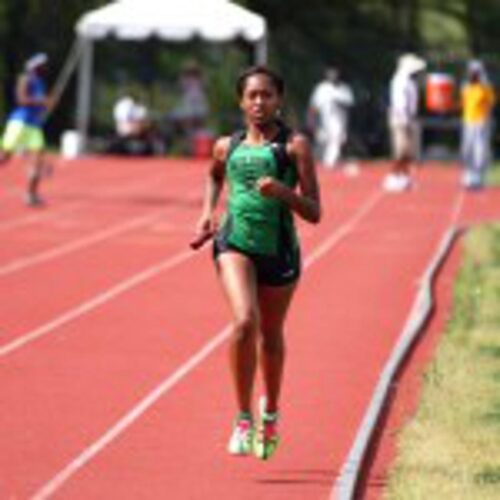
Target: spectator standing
{"type": "Point", "coordinates": [477, 101]}
{"type": "Point", "coordinates": [328, 116]}
{"type": "Point", "coordinates": [403, 110]}
{"type": "Point", "coordinates": [192, 112]}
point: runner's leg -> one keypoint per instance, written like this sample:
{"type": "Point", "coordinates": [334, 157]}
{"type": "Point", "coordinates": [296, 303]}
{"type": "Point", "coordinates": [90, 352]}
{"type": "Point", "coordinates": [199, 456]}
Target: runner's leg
{"type": "Point", "coordinates": [35, 174]}
{"type": "Point", "coordinates": [273, 305]}
{"type": "Point", "coordinates": [237, 277]}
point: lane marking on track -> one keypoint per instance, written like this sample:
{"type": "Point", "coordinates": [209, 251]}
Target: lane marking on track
{"type": "Point", "coordinates": [79, 244]}
{"type": "Point", "coordinates": [127, 188]}
{"type": "Point", "coordinates": [98, 300]}
{"type": "Point", "coordinates": [347, 481]}
{"type": "Point", "coordinates": [29, 219]}
{"type": "Point", "coordinates": [56, 212]}
{"type": "Point", "coordinates": [342, 231]}
{"type": "Point", "coordinates": [96, 237]}
{"type": "Point", "coordinates": [457, 209]}
{"type": "Point", "coordinates": [115, 291]}
{"type": "Point", "coordinates": [150, 399]}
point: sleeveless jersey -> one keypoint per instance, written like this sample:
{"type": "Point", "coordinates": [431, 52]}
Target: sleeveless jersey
{"type": "Point", "coordinates": [31, 115]}
{"type": "Point", "coordinates": [255, 223]}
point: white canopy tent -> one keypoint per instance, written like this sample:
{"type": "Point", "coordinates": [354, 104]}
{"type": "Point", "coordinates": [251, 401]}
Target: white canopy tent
{"type": "Point", "coordinates": [173, 20]}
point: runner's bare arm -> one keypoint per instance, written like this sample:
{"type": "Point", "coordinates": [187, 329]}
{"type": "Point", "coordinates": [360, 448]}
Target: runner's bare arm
{"type": "Point", "coordinates": [207, 223]}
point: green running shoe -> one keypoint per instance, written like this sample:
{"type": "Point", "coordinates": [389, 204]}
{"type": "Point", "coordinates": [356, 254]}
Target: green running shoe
{"type": "Point", "coordinates": [242, 438]}
{"type": "Point", "coordinates": [266, 438]}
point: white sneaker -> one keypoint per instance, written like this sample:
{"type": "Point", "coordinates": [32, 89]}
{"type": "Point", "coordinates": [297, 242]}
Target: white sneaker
{"type": "Point", "coordinates": [390, 183]}
{"type": "Point", "coordinates": [396, 183]}
{"type": "Point", "coordinates": [351, 169]}
{"type": "Point", "coordinates": [405, 182]}
{"type": "Point", "coordinates": [472, 180]}
{"type": "Point", "coordinates": [242, 438]}
{"type": "Point", "coordinates": [33, 200]}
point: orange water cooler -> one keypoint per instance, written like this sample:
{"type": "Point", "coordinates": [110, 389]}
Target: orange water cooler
{"type": "Point", "coordinates": [440, 93]}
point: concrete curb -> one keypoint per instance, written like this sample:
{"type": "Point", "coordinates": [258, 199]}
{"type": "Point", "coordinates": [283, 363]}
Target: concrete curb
{"type": "Point", "coordinates": [348, 479]}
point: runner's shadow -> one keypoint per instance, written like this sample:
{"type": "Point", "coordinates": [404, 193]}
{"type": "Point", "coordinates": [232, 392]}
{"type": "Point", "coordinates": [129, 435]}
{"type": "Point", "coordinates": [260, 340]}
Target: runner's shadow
{"type": "Point", "coordinates": [103, 199]}
{"type": "Point", "coordinates": [192, 202]}
{"type": "Point", "coordinates": [320, 477]}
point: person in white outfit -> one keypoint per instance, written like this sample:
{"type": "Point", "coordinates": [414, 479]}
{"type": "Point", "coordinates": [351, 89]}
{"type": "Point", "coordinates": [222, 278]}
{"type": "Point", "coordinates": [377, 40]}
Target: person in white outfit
{"type": "Point", "coordinates": [328, 116]}
{"type": "Point", "coordinates": [130, 117]}
{"type": "Point", "coordinates": [403, 110]}
{"type": "Point", "coordinates": [135, 131]}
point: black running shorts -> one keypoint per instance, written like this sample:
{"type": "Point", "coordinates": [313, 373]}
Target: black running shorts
{"type": "Point", "coordinates": [279, 270]}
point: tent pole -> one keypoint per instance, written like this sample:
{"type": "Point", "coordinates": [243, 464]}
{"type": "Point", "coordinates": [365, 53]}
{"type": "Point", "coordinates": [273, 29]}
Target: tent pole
{"type": "Point", "coordinates": [84, 92]}
{"type": "Point", "coordinates": [261, 51]}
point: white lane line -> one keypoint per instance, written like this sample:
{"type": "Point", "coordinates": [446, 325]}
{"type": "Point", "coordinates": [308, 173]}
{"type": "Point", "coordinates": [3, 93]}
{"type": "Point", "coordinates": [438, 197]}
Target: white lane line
{"type": "Point", "coordinates": [457, 209]}
{"type": "Point", "coordinates": [26, 262]}
{"type": "Point", "coordinates": [29, 219]}
{"type": "Point", "coordinates": [343, 230]}
{"type": "Point", "coordinates": [127, 188]}
{"type": "Point", "coordinates": [130, 187]}
{"type": "Point", "coordinates": [138, 410]}
{"type": "Point", "coordinates": [129, 418]}
{"type": "Point", "coordinates": [95, 302]}
{"type": "Point", "coordinates": [347, 481]}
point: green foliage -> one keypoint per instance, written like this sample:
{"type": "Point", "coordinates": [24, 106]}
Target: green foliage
{"type": "Point", "coordinates": [493, 175]}
{"type": "Point", "coordinates": [363, 38]}
{"type": "Point", "coordinates": [28, 26]}
{"type": "Point", "coordinates": [151, 71]}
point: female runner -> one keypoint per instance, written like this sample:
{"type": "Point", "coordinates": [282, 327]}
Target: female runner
{"type": "Point", "coordinates": [271, 176]}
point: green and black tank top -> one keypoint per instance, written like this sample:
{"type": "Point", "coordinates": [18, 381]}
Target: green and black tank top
{"type": "Point", "coordinates": [254, 223]}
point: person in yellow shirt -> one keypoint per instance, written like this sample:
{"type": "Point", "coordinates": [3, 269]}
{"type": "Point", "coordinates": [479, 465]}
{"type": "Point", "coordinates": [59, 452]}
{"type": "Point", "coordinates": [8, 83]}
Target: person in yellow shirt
{"type": "Point", "coordinates": [477, 100]}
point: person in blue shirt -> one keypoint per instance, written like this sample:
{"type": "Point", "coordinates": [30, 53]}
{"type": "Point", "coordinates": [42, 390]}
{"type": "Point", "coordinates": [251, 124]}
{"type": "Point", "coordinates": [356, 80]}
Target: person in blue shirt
{"type": "Point", "coordinates": [24, 128]}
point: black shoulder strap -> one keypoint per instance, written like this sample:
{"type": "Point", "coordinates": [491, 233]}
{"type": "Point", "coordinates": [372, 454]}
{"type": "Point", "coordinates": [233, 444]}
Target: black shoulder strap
{"type": "Point", "coordinates": [236, 139]}
{"type": "Point", "coordinates": [278, 147]}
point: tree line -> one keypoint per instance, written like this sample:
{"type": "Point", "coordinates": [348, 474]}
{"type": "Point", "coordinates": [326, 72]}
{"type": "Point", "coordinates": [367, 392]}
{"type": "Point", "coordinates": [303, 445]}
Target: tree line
{"type": "Point", "coordinates": [363, 38]}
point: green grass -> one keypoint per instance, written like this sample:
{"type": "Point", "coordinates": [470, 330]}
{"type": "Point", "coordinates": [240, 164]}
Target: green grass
{"type": "Point", "coordinates": [451, 448]}
{"type": "Point", "coordinates": [493, 177]}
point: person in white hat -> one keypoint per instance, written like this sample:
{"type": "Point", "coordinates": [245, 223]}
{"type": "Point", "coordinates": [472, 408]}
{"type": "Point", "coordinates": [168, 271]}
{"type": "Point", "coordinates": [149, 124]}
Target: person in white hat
{"type": "Point", "coordinates": [403, 109]}
{"type": "Point", "coordinates": [477, 101]}
{"type": "Point", "coordinates": [24, 128]}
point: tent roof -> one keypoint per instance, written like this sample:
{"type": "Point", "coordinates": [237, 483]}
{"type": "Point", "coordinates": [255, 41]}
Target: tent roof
{"type": "Point", "coordinates": [176, 20]}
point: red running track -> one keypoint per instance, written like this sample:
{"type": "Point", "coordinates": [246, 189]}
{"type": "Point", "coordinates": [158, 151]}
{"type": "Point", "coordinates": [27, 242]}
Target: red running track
{"type": "Point", "coordinates": [112, 360]}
